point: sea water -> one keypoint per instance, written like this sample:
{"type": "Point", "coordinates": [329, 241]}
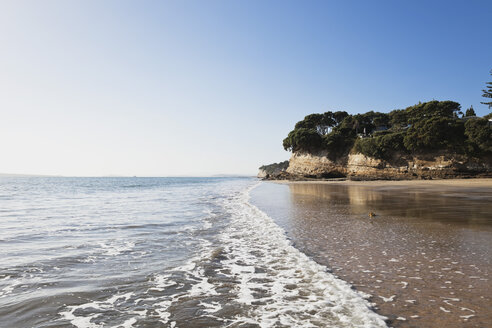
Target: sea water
{"type": "Point", "coordinates": [158, 252]}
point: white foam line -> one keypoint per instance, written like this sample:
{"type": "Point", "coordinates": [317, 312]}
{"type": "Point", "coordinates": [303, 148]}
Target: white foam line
{"type": "Point", "coordinates": [253, 241]}
{"type": "Point", "coordinates": [108, 304]}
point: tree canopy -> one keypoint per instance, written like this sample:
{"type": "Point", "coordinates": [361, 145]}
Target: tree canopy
{"type": "Point", "coordinates": [424, 127]}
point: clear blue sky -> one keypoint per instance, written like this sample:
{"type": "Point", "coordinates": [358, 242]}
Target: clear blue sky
{"type": "Point", "coordinates": [161, 88]}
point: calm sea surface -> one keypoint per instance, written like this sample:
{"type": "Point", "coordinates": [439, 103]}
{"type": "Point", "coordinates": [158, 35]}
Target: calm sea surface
{"type": "Point", "coordinates": [158, 252]}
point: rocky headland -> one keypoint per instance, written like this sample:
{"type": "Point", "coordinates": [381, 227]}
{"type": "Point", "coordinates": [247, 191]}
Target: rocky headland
{"type": "Point", "coordinates": [432, 140]}
{"type": "Point", "coordinates": [306, 166]}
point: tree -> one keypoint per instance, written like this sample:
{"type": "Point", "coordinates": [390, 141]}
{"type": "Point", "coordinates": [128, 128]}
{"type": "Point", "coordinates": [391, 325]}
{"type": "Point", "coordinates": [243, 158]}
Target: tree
{"type": "Point", "coordinates": [434, 108]}
{"type": "Point", "coordinates": [322, 123]}
{"type": "Point", "coordinates": [487, 93]}
{"type": "Point", "coordinates": [470, 112]}
{"type": "Point", "coordinates": [479, 136]}
{"type": "Point", "coordinates": [303, 139]}
{"type": "Point", "coordinates": [339, 116]}
{"type": "Point", "coordinates": [310, 121]}
{"type": "Point", "coordinates": [338, 142]}
{"type": "Point", "coordinates": [435, 133]}
{"type": "Point", "coordinates": [381, 147]}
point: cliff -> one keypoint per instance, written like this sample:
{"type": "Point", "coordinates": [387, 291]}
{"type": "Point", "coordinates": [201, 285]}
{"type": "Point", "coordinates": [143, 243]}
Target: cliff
{"type": "Point", "coordinates": [273, 170]}
{"type": "Point", "coordinates": [428, 140]}
{"type": "Point", "coordinates": [401, 166]}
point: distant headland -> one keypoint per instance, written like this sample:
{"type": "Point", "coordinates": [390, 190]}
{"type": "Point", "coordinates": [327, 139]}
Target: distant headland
{"type": "Point", "coordinates": [429, 140]}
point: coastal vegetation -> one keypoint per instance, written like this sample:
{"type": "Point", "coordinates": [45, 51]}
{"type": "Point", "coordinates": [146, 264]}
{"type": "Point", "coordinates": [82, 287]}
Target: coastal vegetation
{"type": "Point", "coordinates": [427, 127]}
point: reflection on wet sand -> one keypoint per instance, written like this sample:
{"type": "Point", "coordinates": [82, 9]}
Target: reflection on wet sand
{"type": "Point", "coordinates": [463, 205]}
{"type": "Point", "coordinates": [425, 258]}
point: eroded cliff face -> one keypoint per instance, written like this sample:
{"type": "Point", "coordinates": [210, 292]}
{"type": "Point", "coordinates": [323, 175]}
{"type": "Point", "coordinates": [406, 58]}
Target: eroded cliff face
{"type": "Point", "coordinates": [315, 166]}
{"type": "Point", "coordinates": [358, 166]}
{"type": "Point", "coordinates": [262, 174]}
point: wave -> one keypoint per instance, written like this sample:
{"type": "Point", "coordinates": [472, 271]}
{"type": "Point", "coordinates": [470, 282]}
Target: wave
{"type": "Point", "coordinates": [281, 286]}
{"type": "Point", "coordinates": [245, 273]}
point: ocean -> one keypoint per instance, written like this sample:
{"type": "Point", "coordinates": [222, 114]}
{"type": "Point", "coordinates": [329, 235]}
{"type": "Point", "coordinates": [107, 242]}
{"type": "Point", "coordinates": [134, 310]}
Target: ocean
{"type": "Point", "coordinates": [158, 252]}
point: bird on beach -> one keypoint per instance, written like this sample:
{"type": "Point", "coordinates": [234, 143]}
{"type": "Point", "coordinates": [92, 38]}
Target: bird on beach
{"type": "Point", "coordinates": [372, 214]}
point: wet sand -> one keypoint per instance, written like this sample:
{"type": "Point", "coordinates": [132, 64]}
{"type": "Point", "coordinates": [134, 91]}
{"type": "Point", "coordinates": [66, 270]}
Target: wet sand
{"type": "Point", "coordinates": [425, 259]}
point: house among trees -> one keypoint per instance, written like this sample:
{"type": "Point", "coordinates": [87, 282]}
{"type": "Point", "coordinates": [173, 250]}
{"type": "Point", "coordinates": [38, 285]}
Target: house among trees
{"type": "Point", "coordinates": [381, 128]}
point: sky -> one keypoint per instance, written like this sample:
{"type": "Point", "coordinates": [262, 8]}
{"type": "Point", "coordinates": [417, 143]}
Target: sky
{"type": "Point", "coordinates": [198, 88]}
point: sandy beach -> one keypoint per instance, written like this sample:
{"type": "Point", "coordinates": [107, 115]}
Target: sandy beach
{"type": "Point", "coordinates": [424, 258]}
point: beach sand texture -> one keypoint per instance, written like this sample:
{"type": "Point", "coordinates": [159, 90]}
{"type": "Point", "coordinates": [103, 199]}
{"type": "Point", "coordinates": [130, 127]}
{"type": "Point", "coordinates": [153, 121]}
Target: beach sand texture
{"type": "Point", "coordinates": [425, 257]}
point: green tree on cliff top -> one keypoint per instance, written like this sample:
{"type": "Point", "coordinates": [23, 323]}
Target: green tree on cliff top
{"type": "Point", "coordinates": [470, 112]}
{"type": "Point", "coordinates": [487, 93]}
